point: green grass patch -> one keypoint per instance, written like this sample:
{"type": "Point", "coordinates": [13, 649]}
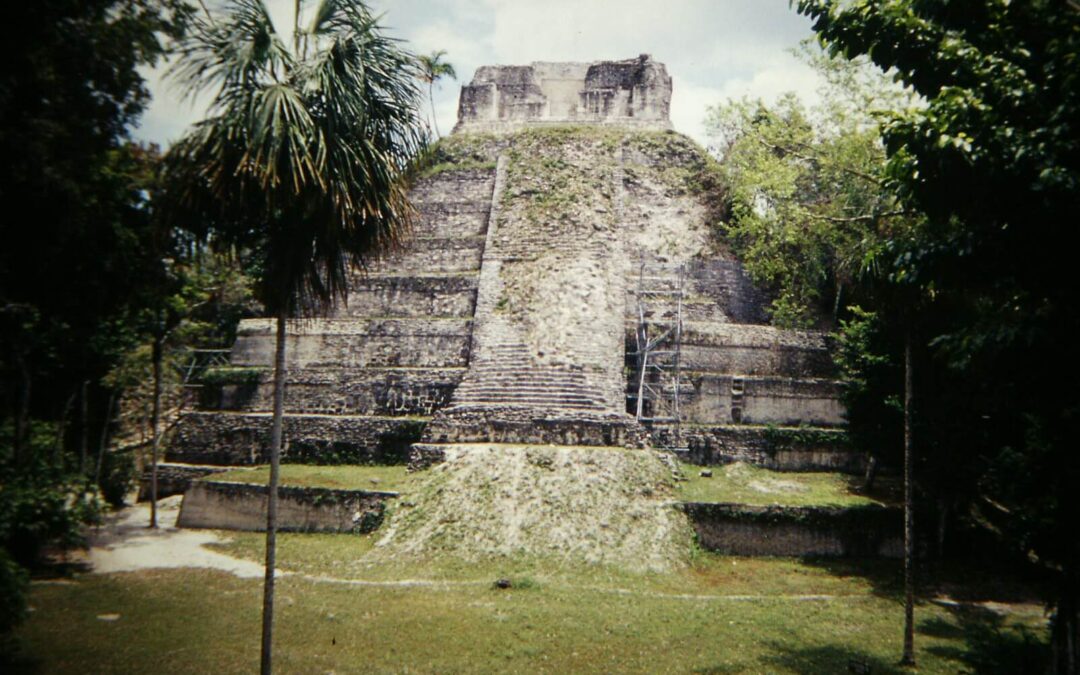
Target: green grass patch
{"type": "Point", "coordinates": [740, 483]}
{"type": "Point", "coordinates": [183, 621]}
{"type": "Point", "coordinates": [343, 477]}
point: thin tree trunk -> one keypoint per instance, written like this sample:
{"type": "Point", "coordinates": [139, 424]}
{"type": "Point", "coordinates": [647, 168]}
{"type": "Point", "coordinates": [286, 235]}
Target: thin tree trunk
{"type": "Point", "coordinates": [431, 99]}
{"type": "Point", "coordinates": [22, 411]}
{"type": "Point", "coordinates": [1065, 628]}
{"type": "Point", "coordinates": [58, 442]}
{"type": "Point", "coordinates": [871, 474]}
{"type": "Point", "coordinates": [104, 441]}
{"type": "Point", "coordinates": [942, 526]}
{"type": "Point", "coordinates": [272, 497]}
{"type": "Point", "coordinates": [84, 419]}
{"type": "Point", "coordinates": [908, 659]}
{"type": "Point", "coordinates": [155, 423]}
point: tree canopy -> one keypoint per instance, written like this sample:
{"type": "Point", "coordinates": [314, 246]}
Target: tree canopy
{"type": "Point", "coordinates": [993, 162]}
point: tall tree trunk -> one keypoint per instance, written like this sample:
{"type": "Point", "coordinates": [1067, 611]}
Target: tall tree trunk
{"type": "Point", "coordinates": [84, 421]}
{"type": "Point", "coordinates": [22, 410]}
{"type": "Point", "coordinates": [908, 659]}
{"type": "Point", "coordinates": [871, 473]}
{"type": "Point", "coordinates": [272, 497]}
{"type": "Point", "coordinates": [431, 99]}
{"type": "Point", "coordinates": [61, 431]}
{"type": "Point", "coordinates": [104, 440]}
{"type": "Point", "coordinates": [155, 423]}
{"type": "Point", "coordinates": [1065, 629]}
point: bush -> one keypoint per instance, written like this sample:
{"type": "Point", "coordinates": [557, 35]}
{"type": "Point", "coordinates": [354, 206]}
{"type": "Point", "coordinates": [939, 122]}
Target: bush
{"type": "Point", "coordinates": [42, 506]}
{"type": "Point", "coordinates": [118, 475]}
{"type": "Point", "coordinates": [13, 585]}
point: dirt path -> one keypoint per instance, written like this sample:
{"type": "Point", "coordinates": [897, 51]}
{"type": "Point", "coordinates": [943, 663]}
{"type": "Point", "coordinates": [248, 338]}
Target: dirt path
{"type": "Point", "coordinates": [125, 544]}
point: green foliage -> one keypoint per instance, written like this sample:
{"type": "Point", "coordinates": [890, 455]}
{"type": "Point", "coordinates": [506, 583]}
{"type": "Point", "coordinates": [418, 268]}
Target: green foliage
{"type": "Point", "coordinates": [14, 585]}
{"type": "Point", "coordinates": [42, 502]}
{"type": "Point", "coordinates": [73, 190]}
{"type": "Point", "coordinates": [783, 438]}
{"type": "Point", "coordinates": [865, 359]}
{"type": "Point", "coordinates": [993, 161]}
{"type": "Point", "coordinates": [118, 475]}
{"type": "Point", "coordinates": [219, 375]}
{"type": "Point", "coordinates": [809, 210]}
{"type": "Point", "coordinates": [433, 69]}
{"type": "Point", "coordinates": [303, 155]}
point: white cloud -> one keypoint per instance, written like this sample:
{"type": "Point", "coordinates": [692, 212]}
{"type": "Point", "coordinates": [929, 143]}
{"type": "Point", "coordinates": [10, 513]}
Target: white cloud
{"type": "Point", "coordinates": [714, 50]}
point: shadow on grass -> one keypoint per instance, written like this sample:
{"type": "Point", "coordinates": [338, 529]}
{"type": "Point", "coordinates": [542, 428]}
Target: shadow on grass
{"type": "Point", "coordinates": [828, 660]}
{"type": "Point", "coordinates": [14, 661]}
{"type": "Point", "coordinates": [982, 640]}
{"type": "Point", "coordinates": [961, 580]}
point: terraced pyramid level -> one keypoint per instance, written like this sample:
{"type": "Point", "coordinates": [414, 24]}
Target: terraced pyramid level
{"type": "Point", "coordinates": [552, 226]}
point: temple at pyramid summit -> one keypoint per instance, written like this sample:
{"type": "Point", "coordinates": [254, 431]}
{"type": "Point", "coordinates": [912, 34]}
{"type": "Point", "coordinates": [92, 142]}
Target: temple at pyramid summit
{"type": "Point", "coordinates": [565, 283]}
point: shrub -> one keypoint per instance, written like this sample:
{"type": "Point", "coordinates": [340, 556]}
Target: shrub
{"type": "Point", "coordinates": [13, 585]}
{"type": "Point", "coordinates": [117, 476]}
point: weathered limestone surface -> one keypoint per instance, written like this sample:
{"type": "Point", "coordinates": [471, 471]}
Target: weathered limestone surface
{"type": "Point", "coordinates": [508, 314]}
{"type": "Point", "coordinates": [735, 529]}
{"type": "Point", "coordinates": [244, 438]}
{"type": "Point", "coordinates": [362, 381]}
{"type": "Point", "coordinates": [776, 448]}
{"type": "Point", "coordinates": [630, 93]}
{"type": "Point", "coordinates": [173, 479]}
{"type": "Point", "coordinates": [242, 506]}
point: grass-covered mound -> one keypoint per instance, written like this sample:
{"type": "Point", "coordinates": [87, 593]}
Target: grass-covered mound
{"type": "Point", "coordinates": [587, 504]}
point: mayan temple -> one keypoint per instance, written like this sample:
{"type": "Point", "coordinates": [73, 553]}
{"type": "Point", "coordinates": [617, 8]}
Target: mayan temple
{"type": "Point", "coordinates": [564, 285]}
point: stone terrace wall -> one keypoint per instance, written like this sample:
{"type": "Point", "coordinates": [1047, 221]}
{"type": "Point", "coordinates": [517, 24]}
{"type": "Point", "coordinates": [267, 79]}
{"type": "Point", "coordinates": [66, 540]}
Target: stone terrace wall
{"type": "Point", "coordinates": [362, 381]}
{"type": "Point", "coordinates": [734, 529]}
{"type": "Point", "coordinates": [242, 506]}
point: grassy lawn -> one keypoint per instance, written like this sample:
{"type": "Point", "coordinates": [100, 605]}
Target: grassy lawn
{"type": "Point", "coordinates": [720, 615]}
{"type": "Point", "coordinates": [346, 477]}
{"type": "Point", "coordinates": [745, 484]}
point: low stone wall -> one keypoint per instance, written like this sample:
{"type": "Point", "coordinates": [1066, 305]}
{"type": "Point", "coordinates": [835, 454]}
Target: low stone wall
{"type": "Point", "coordinates": [452, 220]}
{"type": "Point", "coordinates": [344, 391]}
{"type": "Point", "coordinates": [506, 424]}
{"type": "Point", "coordinates": [173, 479]}
{"type": "Point", "coordinates": [748, 350]}
{"type": "Point", "coordinates": [708, 398]}
{"type": "Point", "coordinates": [736, 529]}
{"type": "Point", "coordinates": [242, 506]}
{"type": "Point", "coordinates": [239, 439]}
{"type": "Point", "coordinates": [400, 296]}
{"type": "Point", "coordinates": [776, 448]}
{"type": "Point", "coordinates": [357, 343]}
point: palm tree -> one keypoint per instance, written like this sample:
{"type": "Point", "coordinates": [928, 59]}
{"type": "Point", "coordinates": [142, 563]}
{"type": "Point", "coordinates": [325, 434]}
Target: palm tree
{"type": "Point", "coordinates": [433, 69]}
{"type": "Point", "coordinates": [301, 160]}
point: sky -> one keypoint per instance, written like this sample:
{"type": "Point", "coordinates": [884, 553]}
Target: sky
{"type": "Point", "coordinates": [714, 50]}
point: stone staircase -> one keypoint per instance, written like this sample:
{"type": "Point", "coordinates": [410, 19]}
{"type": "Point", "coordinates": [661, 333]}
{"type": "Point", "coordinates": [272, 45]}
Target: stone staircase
{"type": "Point", "coordinates": [509, 376]}
{"type": "Point", "coordinates": [363, 381]}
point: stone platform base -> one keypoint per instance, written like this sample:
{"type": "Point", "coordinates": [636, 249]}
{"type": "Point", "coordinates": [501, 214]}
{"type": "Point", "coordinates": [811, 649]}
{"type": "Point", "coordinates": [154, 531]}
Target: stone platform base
{"type": "Point", "coordinates": [775, 448]}
{"type": "Point", "coordinates": [737, 529]}
{"type": "Point", "coordinates": [528, 426]}
{"type": "Point", "coordinates": [174, 479]}
{"type": "Point", "coordinates": [234, 439]}
{"type": "Point", "coordinates": [242, 506]}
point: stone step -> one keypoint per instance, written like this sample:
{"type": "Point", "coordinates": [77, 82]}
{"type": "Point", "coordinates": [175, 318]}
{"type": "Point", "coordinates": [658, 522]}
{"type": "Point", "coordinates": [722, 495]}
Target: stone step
{"type": "Point", "coordinates": [490, 394]}
{"type": "Point", "coordinates": [496, 392]}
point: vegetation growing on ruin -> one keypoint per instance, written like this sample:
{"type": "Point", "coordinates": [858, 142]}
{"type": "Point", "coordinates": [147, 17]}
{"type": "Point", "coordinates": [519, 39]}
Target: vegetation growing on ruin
{"type": "Point", "coordinates": [349, 477]}
{"type": "Point", "coordinates": [459, 152]}
{"type": "Point", "coordinates": [221, 375]}
{"type": "Point", "coordinates": [741, 483]}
